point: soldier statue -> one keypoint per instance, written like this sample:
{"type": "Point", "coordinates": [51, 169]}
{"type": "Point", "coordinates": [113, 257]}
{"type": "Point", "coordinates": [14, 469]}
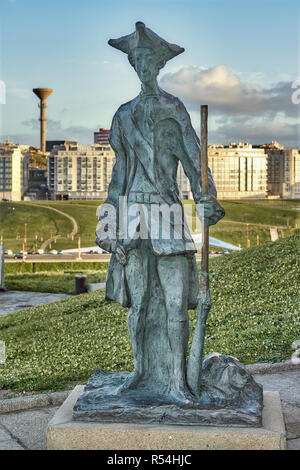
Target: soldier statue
{"type": "Point", "coordinates": [153, 270]}
{"type": "Point", "coordinates": [155, 276]}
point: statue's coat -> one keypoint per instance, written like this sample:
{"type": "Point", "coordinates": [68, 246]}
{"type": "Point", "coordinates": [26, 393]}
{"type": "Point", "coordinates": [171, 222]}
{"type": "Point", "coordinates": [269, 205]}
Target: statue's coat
{"type": "Point", "coordinates": [134, 139]}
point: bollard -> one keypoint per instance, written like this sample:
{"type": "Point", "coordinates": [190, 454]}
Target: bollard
{"type": "Point", "coordinates": [2, 283]}
{"type": "Point", "coordinates": [80, 284]}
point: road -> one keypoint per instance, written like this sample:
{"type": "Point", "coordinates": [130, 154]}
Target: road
{"type": "Point", "coordinates": [57, 258]}
{"type": "Point", "coordinates": [72, 257]}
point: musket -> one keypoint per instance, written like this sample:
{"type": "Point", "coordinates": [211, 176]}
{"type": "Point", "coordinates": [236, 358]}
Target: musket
{"type": "Point", "coordinates": [194, 367]}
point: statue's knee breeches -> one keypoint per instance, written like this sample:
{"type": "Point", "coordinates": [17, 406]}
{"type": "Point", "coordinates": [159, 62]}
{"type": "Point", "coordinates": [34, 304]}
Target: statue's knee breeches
{"type": "Point", "coordinates": [173, 272]}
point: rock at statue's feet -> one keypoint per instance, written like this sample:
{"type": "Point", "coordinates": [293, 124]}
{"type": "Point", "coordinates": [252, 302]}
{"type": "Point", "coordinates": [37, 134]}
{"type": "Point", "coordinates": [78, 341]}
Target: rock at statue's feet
{"type": "Point", "coordinates": [227, 383]}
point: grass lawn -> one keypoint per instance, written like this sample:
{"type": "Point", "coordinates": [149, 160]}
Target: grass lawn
{"type": "Point", "coordinates": [57, 283]}
{"type": "Point", "coordinates": [235, 233]}
{"type": "Point", "coordinates": [85, 214]}
{"type": "Point", "coordinates": [41, 224]}
{"type": "Point", "coordinates": [56, 277]}
{"type": "Point", "coordinates": [259, 214]}
{"type": "Point", "coordinates": [262, 212]}
{"type": "Point", "coordinates": [255, 317]}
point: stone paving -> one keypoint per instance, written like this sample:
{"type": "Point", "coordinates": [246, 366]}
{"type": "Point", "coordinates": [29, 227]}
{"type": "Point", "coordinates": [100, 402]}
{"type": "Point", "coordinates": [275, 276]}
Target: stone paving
{"type": "Point", "coordinates": [288, 384]}
{"type": "Point", "coordinates": [26, 429]}
{"type": "Point", "coordinates": [12, 300]}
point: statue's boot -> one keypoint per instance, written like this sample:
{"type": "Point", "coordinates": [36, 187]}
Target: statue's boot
{"type": "Point", "coordinates": [182, 395]}
{"type": "Point", "coordinates": [131, 382]}
{"type": "Point", "coordinates": [180, 391]}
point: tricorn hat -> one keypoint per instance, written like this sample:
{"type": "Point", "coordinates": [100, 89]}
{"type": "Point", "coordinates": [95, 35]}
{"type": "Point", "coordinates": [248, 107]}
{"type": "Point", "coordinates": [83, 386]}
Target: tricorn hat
{"type": "Point", "coordinates": [145, 38]}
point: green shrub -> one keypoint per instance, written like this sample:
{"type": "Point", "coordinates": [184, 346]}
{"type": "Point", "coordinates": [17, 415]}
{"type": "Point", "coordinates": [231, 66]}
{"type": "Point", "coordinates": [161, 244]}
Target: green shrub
{"type": "Point", "coordinates": [255, 317]}
{"type": "Point", "coordinates": [36, 267]}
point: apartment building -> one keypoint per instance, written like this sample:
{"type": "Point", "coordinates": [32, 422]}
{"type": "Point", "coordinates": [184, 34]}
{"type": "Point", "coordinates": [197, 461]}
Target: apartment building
{"type": "Point", "coordinates": [102, 136]}
{"type": "Point", "coordinates": [78, 171]}
{"type": "Point", "coordinates": [283, 172]}
{"type": "Point", "coordinates": [239, 172]}
{"type": "Point", "coordinates": [14, 168]}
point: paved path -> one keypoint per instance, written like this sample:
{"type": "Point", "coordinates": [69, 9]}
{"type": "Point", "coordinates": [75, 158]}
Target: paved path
{"type": "Point", "coordinates": [288, 384]}
{"type": "Point", "coordinates": [12, 300]}
{"type": "Point", "coordinates": [74, 223]}
{"type": "Point", "coordinates": [26, 429]}
{"type": "Point", "coordinates": [259, 225]}
{"type": "Point", "coordinates": [72, 234]}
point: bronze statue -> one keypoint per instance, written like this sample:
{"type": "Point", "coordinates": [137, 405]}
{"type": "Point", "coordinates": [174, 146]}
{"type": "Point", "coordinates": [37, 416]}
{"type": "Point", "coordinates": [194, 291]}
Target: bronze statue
{"type": "Point", "coordinates": [153, 269]}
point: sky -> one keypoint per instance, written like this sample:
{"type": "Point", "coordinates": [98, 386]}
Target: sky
{"type": "Point", "coordinates": [241, 58]}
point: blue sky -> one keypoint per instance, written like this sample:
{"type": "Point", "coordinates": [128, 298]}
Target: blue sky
{"type": "Point", "coordinates": [241, 57]}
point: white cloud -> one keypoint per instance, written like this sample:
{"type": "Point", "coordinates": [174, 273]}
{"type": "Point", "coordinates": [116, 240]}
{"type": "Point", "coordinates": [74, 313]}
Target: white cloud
{"type": "Point", "coordinates": [225, 93]}
{"type": "Point", "coordinates": [240, 111]}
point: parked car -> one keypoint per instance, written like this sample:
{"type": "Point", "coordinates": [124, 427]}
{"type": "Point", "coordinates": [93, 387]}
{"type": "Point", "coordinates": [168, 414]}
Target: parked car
{"type": "Point", "coordinates": [225, 252]}
{"type": "Point", "coordinates": [8, 253]}
{"type": "Point", "coordinates": [53, 252]}
{"type": "Point", "coordinates": [60, 252]}
{"type": "Point", "coordinates": [18, 256]}
{"type": "Point", "coordinates": [39, 252]}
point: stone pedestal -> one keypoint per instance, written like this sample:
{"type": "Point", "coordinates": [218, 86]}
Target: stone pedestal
{"type": "Point", "coordinates": [64, 433]}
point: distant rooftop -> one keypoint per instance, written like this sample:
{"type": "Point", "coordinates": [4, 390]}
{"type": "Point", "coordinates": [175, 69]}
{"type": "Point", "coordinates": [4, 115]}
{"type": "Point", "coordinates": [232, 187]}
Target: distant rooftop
{"type": "Point", "coordinates": [7, 146]}
{"type": "Point", "coordinates": [273, 145]}
{"type": "Point", "coordinates": [233, 145]}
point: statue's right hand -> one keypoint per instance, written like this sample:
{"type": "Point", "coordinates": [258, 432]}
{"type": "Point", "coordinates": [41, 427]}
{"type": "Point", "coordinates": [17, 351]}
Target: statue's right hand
{"type": "Point", "coordinates": [106, 228]}
{"type": "Point", "coordinates": [112, 247]}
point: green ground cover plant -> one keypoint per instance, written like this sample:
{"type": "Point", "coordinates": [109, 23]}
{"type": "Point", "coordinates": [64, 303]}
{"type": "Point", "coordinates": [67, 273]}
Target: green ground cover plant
{"type": "Point", "coordinates": [255, 317]}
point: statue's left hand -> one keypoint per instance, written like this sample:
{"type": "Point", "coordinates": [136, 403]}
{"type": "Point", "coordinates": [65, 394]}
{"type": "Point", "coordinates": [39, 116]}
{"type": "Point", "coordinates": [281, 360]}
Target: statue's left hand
{"type": "Point", "coordinates": [213, 211]}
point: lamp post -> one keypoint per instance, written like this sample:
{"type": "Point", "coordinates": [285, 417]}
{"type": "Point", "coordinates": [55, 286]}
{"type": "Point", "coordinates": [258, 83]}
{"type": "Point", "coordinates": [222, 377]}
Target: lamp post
{"type": "Point", "coordinates": [247, 231]}
{"type": "Point", "coordinates": [2, 283]}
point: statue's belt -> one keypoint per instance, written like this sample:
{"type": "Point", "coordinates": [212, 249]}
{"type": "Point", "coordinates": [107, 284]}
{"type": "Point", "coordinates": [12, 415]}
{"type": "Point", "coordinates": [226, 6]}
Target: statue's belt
{"type": "Point", "coordinates": [147, 198]}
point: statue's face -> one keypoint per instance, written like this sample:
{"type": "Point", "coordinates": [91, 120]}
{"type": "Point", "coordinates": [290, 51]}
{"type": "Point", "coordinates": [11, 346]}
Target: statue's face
{"type": "Point", "coordinates": [145, 65]}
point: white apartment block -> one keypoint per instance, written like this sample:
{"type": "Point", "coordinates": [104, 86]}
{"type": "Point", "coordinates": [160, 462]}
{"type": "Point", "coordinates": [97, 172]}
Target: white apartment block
{"type": "Point", "coordinates": [284, 172]}
{"type": "Point", "coordinates": [14, 162]}
{"type": "Point", "coordinates": [80, 171]}
{"type": "Point", "coordinates": [239, 172]}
